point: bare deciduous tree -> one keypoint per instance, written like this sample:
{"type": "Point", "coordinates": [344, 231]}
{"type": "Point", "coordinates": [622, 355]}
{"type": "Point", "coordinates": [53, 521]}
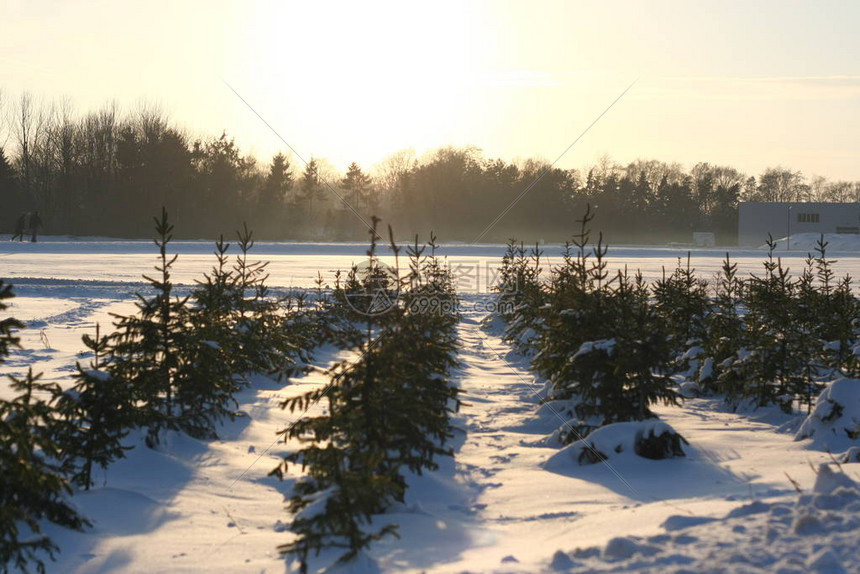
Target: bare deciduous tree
{"type": "Point", "coordinates": [782, 185]}
{"type": "Point", "coordinates": [27, 130]}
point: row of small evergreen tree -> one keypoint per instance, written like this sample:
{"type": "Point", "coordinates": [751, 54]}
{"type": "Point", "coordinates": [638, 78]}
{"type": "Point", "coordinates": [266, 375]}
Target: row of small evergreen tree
{"type": "Point", "coordinates": [609, 344]}
{"type": "Point", "coordinates": [597, 339]}
{"type": "Point", "coordinates": [177, 362]}
{"type": "Point", "coordinates": [388, 411]}
{"type": "Point", "coordinates": [774, 338]}
{"type": "Point", "coordinates": [174, 364]}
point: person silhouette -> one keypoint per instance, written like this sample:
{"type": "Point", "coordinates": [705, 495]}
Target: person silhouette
{"type": "Point", "coordinates": [20, 224]}
{"type": "Point", "coordinates": [35, 224]}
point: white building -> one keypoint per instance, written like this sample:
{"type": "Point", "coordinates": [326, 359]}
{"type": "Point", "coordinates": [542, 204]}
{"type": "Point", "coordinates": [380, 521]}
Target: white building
{"type": "Point", "coordinates": [757, 219]}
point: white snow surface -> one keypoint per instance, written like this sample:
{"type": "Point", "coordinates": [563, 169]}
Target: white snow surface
{"type": "Point", "coordinates": [605, 345]}
{"type": "Point", "coordinates": [613, 442]}
{"type": "Point", "coordinates": [111, 263]}
{"type": "Point", "coordinates": [834, 423]}
{"type": "Point", "coordinates": [813, 532]}
{"type": "Point", "coordinates": [497, 506]}
{"type": "Point", "coordinates": [836, 242]}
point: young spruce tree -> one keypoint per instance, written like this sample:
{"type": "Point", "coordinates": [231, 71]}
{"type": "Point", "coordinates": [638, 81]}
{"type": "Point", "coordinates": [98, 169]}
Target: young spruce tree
{"type": "Point", "coordinates": [180, 380]}
{"type": "Point", "coordinates": [343, 487]}
{"type": "Point", "coordinates": [387, 414]}
{"type": "Point", "coordinates": [724, 333]}
{"type": "Point", "coordinates": [32, 487]}
{"type": "Point", "coordinates": [96, 415]}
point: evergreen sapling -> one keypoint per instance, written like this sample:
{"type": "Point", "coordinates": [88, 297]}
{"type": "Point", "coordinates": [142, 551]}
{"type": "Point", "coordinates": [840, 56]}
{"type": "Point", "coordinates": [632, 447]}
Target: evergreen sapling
{"type": "Point", "coordinates": [96, 415]}
{"type": "Point", "coordinates": [32, 487]}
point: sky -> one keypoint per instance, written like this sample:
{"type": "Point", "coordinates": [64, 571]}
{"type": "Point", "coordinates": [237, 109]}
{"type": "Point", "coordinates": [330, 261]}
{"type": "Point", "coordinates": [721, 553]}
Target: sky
{"type": "Point", "coordinates": [740, 83]}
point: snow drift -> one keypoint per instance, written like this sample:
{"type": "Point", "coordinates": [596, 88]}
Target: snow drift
{"type": "Point", "coordinates": [652, 439]}
{"type": "Point", "coordinates": [834, 423]}
{"type": "Point", "coordinates": [815, 533]}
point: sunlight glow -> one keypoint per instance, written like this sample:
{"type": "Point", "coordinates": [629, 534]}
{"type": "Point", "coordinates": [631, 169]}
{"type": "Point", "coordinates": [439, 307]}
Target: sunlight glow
{"type": "Point", "coordinates": [376, 79]}
{"type": "Point", "coordinates": [746, 84]}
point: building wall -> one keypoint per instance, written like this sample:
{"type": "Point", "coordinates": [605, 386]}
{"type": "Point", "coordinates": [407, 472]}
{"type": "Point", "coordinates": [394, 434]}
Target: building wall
{"type": "Point", "coordinates": [757, 219]}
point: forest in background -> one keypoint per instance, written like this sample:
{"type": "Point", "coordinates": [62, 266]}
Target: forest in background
{"type": "Point", "coordinates": [106, 172]}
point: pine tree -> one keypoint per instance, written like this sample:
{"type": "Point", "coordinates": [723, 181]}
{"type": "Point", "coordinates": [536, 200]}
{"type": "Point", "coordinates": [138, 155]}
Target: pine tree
{"type": "Point", "coordinates": [427, 291]}
{"type": "Point", "coordinates": [180, 380]}
{"type": "Point", "coordinates": [577, 312]}
{"type": "Point", "coordinates": [324, 319]}
{"type": "Point", "coordinates": [388, 413]}
{"type": "Point", "coordinates": [840, 323]}
{"type": "Point", "coordinates": [215, 303]}
{"type": "Point", "coordinates": [804, 339]}
{"type": "Point", "coordinates": [343, 457]}
{"type": "Point", "coordinates": [32, 487]}
{"type": "Point", "coordinates": [681, 300]}
{"type": "Point", "coordinates": [7, 324]}
{"type": "Point", "coordinates": [617, 377]}
{"type": "Point", "coordinates": [335, 499]}
{"type": "Point", "coordinates": [724, 333]}
{"type": "Point", "coordinates": [763, 367]}
{"type": "Point", "coordinates": [205, 386]}
{"type": "Point", "coordinates": [834, 312]}
{"type": "Point", "coordinates": [312, 192]}
{"type": "Point", "coordinates": [604, 347]}
{"type": "Point", "coordinates": [356, 186]}
{"type": "Point", "coordinates": [271, 201]}
{"type": "Point", "coordinates": [416, 357]}
{"type": "Point", "coordinates": [234, 311]}
{"type": "Point", "coordinates": [265, 344]}
{"type": "Point", "coordinates": [640, 358]}
{"type": "Point", "coordinates": [96, 415]}
{"type": "Point", "coordinates": [769, 305]}
{"type": "Point", "coordinates": [145, 345]}
{"type": "Point", "coordinates": [521, 295]}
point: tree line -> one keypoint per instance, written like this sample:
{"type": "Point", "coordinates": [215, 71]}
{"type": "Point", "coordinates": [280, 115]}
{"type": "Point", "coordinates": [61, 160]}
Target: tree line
{"type": "Point", "coordinates": [100, 173]}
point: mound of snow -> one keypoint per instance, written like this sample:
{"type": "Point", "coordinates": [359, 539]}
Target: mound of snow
{"type": "Point", "coordinates": [606, 346]}
{"type": "Point", "coordinates": [361, 564]}
{"type": "Point", "coordinates": [836, 416]}
{"type": "Point", "coordinates": [850, 455]}
{"type": "Point", "coordinates": [575, 427]}
{"type": "Point", "coordinates": [809, 241]}
{"type": "Point", "coordinates": [680, 522]}
{"type": "Point", "coordinates": [523, 338]}
{"type": "Point", "coordinates": [817, 532]}
{"type": "Point", "coordinates": [622, 547]}
{"type": "Point", "coordinates": [652, 439]}
{"type": "Point", "coordinates": [561, 562]}
{"type": "Point", "coordinates": [690, 389]}
{"type": "Point", "coordinates": [494, 324]}
{"type": "Point", "coordinates": [828, 481]}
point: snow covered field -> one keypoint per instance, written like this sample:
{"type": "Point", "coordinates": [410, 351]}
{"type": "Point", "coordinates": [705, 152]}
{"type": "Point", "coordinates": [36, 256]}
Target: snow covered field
{"type": "Point", "coordinates": [292, 264]}
{"type": "Point", "coordinates": [500, 505]}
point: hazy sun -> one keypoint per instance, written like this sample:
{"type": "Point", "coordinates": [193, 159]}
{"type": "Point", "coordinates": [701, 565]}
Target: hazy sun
{"type": "Point", "coordinates": [376, 78]}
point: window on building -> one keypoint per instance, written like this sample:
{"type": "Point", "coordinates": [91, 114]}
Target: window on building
{"type": "Point", "coordinates": [807, 217]}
